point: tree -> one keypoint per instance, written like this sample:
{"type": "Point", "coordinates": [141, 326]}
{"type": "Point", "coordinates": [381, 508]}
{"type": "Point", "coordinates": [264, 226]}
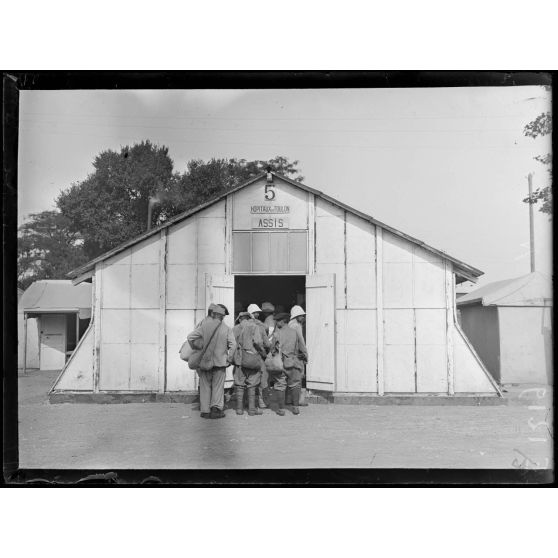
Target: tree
{"type": "Point", "coordinates": [110, 206]}
{"type": "Point", "coordinates": [541, 126]}
{"type": "Point", "coordinates": [47, 248]}
{"type": "Point", "coordinates": [203, 181]}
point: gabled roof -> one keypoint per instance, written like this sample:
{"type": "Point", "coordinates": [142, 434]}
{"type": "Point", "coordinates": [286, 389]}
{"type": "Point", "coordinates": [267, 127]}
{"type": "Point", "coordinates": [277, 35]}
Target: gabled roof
{"type": "Point", "coordinates": [533, 289]}
{"type": "Point", "coordinates": [56, 296]}
{"type": "Point", "coordinates": [464, 271]}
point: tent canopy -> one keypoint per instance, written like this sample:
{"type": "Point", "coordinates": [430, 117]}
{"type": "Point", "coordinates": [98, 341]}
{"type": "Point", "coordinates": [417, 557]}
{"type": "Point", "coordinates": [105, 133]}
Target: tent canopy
{"type": "Point", "coordinates": [533, 289]}
{"type": "Point", "coordinates": [56, 297]}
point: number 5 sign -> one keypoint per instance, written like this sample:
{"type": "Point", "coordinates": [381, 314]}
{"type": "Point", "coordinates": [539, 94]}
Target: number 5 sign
{"type": "Point", "coordinates": [269, 192]}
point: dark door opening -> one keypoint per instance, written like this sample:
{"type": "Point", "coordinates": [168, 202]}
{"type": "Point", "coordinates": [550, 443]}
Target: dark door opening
{"type": "Point", "coordinates": [282, 291]}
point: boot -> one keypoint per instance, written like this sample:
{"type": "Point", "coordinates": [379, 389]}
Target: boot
{"type": "Point", "coordinates": [295, 397]}
{"type": "Point", "coordinates": [239, 398]}
{"type": "Point", "coordinates": [260, 400]}
{"type": "Point", "coordinates": [252, 409]}
{"type": "Point", "coordinates": [281, 403]}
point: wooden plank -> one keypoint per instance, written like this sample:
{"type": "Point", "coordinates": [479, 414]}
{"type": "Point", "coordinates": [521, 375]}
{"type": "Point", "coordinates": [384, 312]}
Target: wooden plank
{"type": "Point", "coordinates": [25, 342]}
{"type": "Point", "coordinates": [379, 311]}
{"type": "Point", "coordinates": [320, 331]}
{"type": "Point", "coordinates": [228, 233]}
{"type": "Point", "coordinates": [97, 289]}
{"type": "Point", "coordinates": [311, 233]}
{"type": "Point", "coordinates": [83, 277]}
{"type": "Point", "coordinates": [449, 325]}
{"type": "Point", "coordinates": [162, 364]}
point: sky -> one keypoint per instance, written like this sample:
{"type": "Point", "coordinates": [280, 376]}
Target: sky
{"type": "Point", "coordinates": [448, 166]}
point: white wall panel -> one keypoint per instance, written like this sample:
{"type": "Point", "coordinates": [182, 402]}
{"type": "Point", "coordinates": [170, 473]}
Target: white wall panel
{"type": "Point", "coordinates": [116, 286]}
{"type": "Point", "coordinates": [339, 271]}
{"type": "Point", "coordinates": [181, 286]}
{"type": "Point", "coordinates": [144, 367]}
{"type": "Point", "coordinates": [213, 269]}
{"type": "Point", "coordinates": [399, 327]}
{"type": "Point", "coordinates": [145, 286]}
{"type": "Point", "coordinates": [115, 367]}
{"type": "Point", "coordinates": [181, 242]}
{"type": "Point", "coordinates": [213, 211]}
{"type": "Point", "coordinates": [115, 326]}
{"type": "Point", "coordinates": [179, 324]}
{"type": "Point", "coordinates": [147, 251]}
{"type": "Point", "coordinates": [361, 285]}
{"type": "Point", "coordinates": [399, 368]}
{"type": "Point", "coordinates": [468, 375]}
{"type": "Point", "coordinates": [362, 366]}
{"type": "Point", "coordinates": [145, 326]}
{"type": "Point", "coordinates": [360, 328]}
{"type": "Point", "coordinates": [421, 255]}
{"type": "Point", "coordinates": [361, 240]}
{"type": "Point", "coordinates": [122, 258]}
{"type": "Point", "coordinates": [429, 285]}
{"type": "Point", "coordinates": [330, 240]}
{"type": "Point", "coordinates": [211, 240]}
{"type": "Point", "coordinates": [179, 376]}
{"type": "Point", "coordinates": [397, 249]}
{"type": "Point", "coordinates": [78, 374]}
{"type": "Point", "coordinates": [398, 285]}
{"type": "Point", "coordinates": [431, 327]}
{"type": "Point", "coordinates": [327, 209]}
{"type": "Point", "coordinates": [432, 374]}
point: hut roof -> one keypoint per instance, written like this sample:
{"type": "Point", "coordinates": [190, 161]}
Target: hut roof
{"type": "Point", "coordinates": [533, 289]}
{"type": "Point", "coordinates": [54, 296]}
{"type": "Point", "coordinates": [464, 271]}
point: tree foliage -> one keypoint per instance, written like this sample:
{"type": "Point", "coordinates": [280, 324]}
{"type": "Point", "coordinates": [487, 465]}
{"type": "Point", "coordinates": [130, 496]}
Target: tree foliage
{"type": "Point", "coordinates": [541, 126]}
{"type": "Point", "coordinates": [110, 206]}
{"type": "Point", "coordinates": [47, 248]}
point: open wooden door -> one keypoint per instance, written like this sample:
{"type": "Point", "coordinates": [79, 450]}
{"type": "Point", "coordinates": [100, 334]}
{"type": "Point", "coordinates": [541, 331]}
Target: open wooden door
{"type": "Point", "coordinates": [219, 289]}
{"type": "Point", "coordinates": [320, 331]}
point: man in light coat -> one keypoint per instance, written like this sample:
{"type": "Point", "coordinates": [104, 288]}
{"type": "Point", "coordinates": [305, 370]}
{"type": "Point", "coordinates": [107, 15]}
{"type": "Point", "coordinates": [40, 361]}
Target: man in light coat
{"type": "Point", "coordinates": [220, 342]}
{"type": "Point", "coordinates": [294, 354]}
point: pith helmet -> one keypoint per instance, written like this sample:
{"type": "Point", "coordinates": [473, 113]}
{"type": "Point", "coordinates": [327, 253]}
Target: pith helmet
{"type": "Point", "coordinates": [268, 307]}
{"type": "Point", "coordinates": [297, 311]}
{"type": "Point", "coordinates": [253, 308]}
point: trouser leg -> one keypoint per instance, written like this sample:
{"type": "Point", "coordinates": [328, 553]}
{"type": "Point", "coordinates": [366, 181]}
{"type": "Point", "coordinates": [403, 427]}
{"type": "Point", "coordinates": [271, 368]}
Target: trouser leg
{"type": "Point", "coordinates": [280, 387]}
{"type": "Point", "coordinates": [218, 388]}
{"type": "Point", "coordinates": [205, 390]}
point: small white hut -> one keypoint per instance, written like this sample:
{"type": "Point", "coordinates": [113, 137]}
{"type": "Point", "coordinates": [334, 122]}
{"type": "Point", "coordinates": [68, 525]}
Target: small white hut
{"type": "Point", "coordinates": [52, 317]}
{"type": "Point", "coordinates": [510, 325]}
{"type": "Point", "coordinates": [381, 318]}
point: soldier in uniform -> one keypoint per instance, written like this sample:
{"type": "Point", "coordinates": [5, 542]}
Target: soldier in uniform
{"type": "Point", "coordinates": [291, 345]}
{"type": "Point", "coordinates": [255, 312]}
{"type": "Point", "coordinates": [247, 375]}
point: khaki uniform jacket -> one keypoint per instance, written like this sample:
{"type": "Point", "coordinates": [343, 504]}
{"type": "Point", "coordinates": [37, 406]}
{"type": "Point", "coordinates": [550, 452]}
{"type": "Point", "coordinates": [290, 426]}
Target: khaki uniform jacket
{"type": "Point", "coordinates": [293, 324]}
{"type": "Point", "coordinates": [292, 347]}
{"type": "Point", "coordinates": [223, 344]}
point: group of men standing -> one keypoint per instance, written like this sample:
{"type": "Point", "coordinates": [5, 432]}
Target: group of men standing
{"type": "Point", "coordinates": [277, 339]}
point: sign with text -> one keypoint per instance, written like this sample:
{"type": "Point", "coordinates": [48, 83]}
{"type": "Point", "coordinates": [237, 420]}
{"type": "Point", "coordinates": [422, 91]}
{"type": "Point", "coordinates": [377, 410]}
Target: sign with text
{"type": "Point", "coordinates": [270, 222]}
{"type": "Point", "coordinates": [270, 206]}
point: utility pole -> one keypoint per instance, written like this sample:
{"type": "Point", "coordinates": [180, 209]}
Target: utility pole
{"type": "Point", "coordinates": [531, 224]}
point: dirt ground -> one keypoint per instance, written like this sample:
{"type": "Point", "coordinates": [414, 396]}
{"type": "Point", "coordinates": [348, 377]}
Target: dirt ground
{"type": "Point", "coordinates": [172, 435]}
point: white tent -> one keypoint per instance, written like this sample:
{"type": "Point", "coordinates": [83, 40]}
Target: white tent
{"type": "Point", "coordinates": [510, 325]}
{"type": "Point", "coordinates": [52, 315]}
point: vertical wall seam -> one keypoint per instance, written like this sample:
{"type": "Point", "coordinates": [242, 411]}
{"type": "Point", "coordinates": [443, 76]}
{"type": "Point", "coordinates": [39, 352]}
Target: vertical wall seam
{"type": "Point", "coordinates": [415, 347]}
{"type": "Point", "coordinates": [449, 327]}
{"type": "Point", "coordinates": [379, 311]}
{"type": "Point", "coordinates": [345, 255]}
{"type": "Point", "coordinates": [162, 365]}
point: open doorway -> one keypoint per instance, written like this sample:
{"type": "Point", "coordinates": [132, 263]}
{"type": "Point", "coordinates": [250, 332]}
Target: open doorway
{"type": "Point", "coordinates": [283, 291]}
